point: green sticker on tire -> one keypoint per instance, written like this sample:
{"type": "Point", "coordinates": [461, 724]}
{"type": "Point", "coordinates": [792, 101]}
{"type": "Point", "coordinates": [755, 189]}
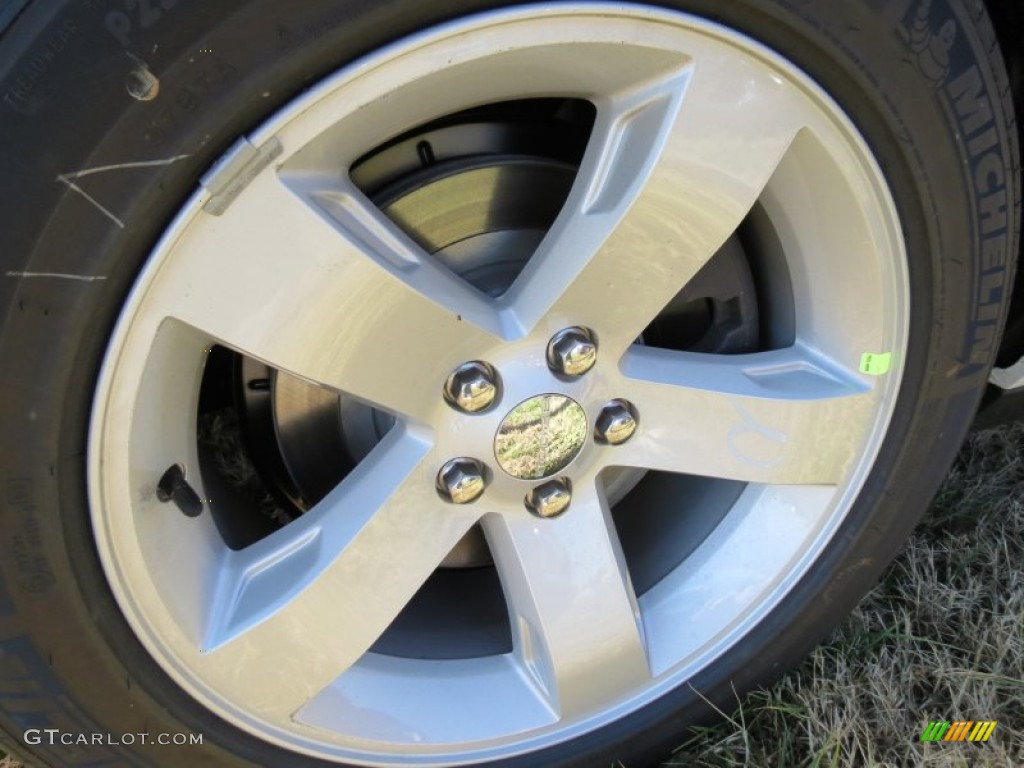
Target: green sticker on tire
{"type": "Point", "coordinates": [875, 364]}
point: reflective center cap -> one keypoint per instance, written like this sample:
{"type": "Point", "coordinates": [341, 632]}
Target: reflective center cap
{"type": "Point", "coordinates": [540, 436]}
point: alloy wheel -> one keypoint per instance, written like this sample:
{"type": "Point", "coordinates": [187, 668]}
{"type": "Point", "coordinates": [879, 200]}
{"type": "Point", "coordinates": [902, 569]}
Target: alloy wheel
{"type": "Point", "coordinates": [746, 462]}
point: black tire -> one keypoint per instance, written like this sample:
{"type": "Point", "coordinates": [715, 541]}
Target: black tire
{"type": "Point", "coordinates": [939, 119]}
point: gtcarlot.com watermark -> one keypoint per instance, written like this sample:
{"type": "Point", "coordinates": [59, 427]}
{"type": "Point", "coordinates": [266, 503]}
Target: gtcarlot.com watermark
{"type": "Point", "coordinates": [54, 737]}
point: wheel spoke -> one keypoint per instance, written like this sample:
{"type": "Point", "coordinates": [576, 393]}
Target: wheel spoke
{"type": "Point", "coordinates": [672, 169]}
{"type": "Point", "coordinates": [574, 614]}
{"type": "Point", "coordinates": [321, 284]}
{"type": "Point", "coordinates": [786, 417]}
{"type": "Point", "coordinates": [295, 610]}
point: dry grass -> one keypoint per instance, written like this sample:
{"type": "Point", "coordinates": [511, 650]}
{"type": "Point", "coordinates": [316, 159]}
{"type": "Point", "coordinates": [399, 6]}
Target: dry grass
{"type": "Point", "coordinates": [220, 436]}
{"type": "Point", "coordinates": [940, 638]}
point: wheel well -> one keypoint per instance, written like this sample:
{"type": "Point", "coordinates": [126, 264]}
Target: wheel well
{"type": "Point", "coordinates": [1008, 18]}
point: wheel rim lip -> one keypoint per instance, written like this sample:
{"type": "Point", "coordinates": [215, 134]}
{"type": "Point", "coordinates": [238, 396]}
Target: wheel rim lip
{"type": "Point", "coordinates": [120, 571]}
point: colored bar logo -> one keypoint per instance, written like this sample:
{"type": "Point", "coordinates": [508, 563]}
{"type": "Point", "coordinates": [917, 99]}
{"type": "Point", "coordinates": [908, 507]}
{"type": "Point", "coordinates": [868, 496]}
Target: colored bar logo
{"type": "Point", "coordinates": [961, 730]}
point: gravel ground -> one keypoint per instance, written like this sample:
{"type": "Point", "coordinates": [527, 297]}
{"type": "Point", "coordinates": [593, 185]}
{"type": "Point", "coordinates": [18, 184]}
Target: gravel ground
{"type": "Point", "coordinates": [940, 638]}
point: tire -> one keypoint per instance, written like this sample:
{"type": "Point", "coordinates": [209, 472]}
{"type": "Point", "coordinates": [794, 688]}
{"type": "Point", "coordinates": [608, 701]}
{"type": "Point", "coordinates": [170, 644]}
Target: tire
{"type": "Point", "coordinates": [113, 119]}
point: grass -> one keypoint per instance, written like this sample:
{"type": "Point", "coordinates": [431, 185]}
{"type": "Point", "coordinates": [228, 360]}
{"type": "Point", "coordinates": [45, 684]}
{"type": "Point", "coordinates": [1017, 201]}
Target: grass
{"type": "Point", "coordinates": [940, 638]}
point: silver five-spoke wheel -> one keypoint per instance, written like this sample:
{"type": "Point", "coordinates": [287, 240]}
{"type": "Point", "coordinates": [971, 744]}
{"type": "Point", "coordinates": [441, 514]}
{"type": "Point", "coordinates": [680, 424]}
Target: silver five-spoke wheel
{"type": "Point", "coordinates": [504, 405]}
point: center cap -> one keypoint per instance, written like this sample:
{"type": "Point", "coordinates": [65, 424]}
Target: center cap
{"type": "Point", "coordinates": [540, 436]}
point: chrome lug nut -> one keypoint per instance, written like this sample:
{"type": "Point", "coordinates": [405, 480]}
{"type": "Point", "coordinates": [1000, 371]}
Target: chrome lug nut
{"type": "Point", "coordinates": [461, 481]}
{"type": "Point", "coordinates": [572, 351]}
{"type": "Point", "coordinates": [550, 499]}
{"type": "Point", "coordinates": [472, 387]}
{"type": "Point", "coordinates": [616, 423]}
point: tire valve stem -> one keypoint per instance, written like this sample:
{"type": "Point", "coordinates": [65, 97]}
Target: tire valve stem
{"type": "Point", "coordinates": [174, 487]}
{"type": "Point", "coordinates": [426, 154]}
